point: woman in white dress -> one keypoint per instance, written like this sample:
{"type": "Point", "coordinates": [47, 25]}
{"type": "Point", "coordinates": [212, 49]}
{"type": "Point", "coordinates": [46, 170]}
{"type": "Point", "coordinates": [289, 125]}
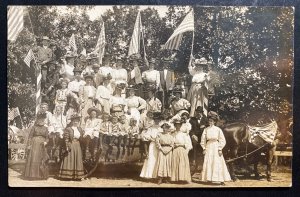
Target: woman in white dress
{"type": "Point", "coordinates": [120, 75]}
{"type": "Point", "coordinates": [118, 104]}
{"type": "Point", "coordinates": [135, 104]}
{"type": "Point", "coordinates": [212, 142]}
{"type": "Point", "coordinates": [196, 92]}
{"type": "Point", "coordinates": [151, 134]}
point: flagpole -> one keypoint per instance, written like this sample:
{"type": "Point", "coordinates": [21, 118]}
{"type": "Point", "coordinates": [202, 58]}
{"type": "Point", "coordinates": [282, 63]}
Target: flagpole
{"type": "Point", "coordinates": [38, 98]}
{"type": "Point", "coordinates": [193, 39]}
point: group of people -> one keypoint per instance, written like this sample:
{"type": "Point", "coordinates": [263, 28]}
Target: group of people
{"type": "Point", "coordinates": [88, 106]}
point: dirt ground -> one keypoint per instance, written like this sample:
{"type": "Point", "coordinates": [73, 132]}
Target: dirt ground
{"type": "Point", "coordinates": [127, 175]}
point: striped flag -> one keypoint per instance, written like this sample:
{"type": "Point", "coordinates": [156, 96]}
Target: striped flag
{"type": "Point", "coordinates": [266, 132]}
{"type": "Point", "coordinates": [72, 43]}
{"type": "Point", "coordinates": [83, 52]}
{"type": "Point", "coordinates": [134, 46]}
{"type": "Point", "coordinates": [100, 46]}
{"type": "Point", "coordinates": [13, 113]}
{"type": "Point", "coordinates": [15, 22]}
{"type": "Point", "coordinates": [29, 57]}
{"type": "Point", "coordinates": [186, 25]}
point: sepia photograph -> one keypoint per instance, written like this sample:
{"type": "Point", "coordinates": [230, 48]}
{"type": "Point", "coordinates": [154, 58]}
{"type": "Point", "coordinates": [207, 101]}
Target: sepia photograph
{"type": "Point", "coordinates": [162, 96]}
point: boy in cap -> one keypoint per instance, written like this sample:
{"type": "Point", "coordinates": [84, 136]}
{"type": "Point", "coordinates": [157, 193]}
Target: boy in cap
{"type": "Point", "coordinates": [133, 135]}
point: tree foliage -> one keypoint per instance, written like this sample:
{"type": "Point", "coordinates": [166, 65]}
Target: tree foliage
{"type": "Point", "coordinates": [251, 49]}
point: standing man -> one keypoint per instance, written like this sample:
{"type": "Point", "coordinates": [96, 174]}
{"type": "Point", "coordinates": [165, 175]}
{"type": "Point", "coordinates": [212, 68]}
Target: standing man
{"type": "Point", "coordinates": [167, 80]}
{"type": "Point", "coordinates": [198, 122]}
{"type": "Point", "coordinates": [44, 56]}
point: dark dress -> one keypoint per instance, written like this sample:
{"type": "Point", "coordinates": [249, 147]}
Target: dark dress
{"type": "Point", "coordinates": [36, 167]}
{"type": "Point", "coordinates": [72, 163]}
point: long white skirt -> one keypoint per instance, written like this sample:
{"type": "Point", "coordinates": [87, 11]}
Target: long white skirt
{"type": "Point", "coordinates": [214, 166]}
{"type": "Point", "coordinates": [149, 164]}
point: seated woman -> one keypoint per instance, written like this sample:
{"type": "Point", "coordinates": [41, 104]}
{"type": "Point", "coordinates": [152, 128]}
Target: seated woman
{"type": "Point", "coordinates": [135, 104]}
{"type": "Point", "coordinates": [118, 104]}
{"type": "Point", "coordinates": [72, 164]}
{"type": "Point", "coordinates": [35, 167]}
{"type": "Point", "coordinates": [91, 132]}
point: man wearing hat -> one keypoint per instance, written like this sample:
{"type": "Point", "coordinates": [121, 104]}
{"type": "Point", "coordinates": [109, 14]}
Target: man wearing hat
{"type": "Point", "coordinates": [151, 77]}
{"type": "Point", "coordinates": [44, 55]}
{"type": "Point", "coordinates": [153, 103]}
{"type": "Point", "coordinates": [86, 96]}
{"type": "Point", "coordinates": [75, 85]}
{"type": "Point", "coordinates": [198, 122]}
{"type": "Point", "coordinates": [98, 78]}
{"type": "Point", "coordinates": [135, 75]}
{"type": "Point", "coordinates": [52, 83]}
{"type": "Point", "coordinates": [198, 89]}
{"type": "Point", "coordinates": [179, 103]}
{"type": "Point", "coordinates": [92, 129]}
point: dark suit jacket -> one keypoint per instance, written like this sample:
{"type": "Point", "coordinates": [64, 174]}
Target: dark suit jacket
{"type": "Point", "coordinates": [196, 130]}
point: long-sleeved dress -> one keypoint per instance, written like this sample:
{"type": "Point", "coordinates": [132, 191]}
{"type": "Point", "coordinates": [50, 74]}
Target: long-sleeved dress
{"type": "Point", "coordinates": [135, 104]}
{"type": "Point", "coordinates": [163, 167]}
{"type": "Point", "coordinates": [196, 92]}
{"type": "Point", "coordinates": [149, 163]}
{"type": "Point", "coordinates": [37, 155]}
{"type": "Point", "coordinates": [214, 166]}
{"type": "Point", "coordinates": [180, 160]}
{"type": "Point", "coordinates": [87, 95]}
{"type": "Point", "coordinates": [72, 164]}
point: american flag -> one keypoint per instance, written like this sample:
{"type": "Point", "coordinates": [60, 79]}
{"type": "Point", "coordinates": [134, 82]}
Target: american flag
{"type": "Point", "coordinates": [83, 52]}
{"type": "Point", "coordinates": [267, 132]}
{"type": "Point", "coordinates": [186, 25]}
{"type": "Point", "coordinates": [100, 46]}
{"type": "Point", "coordinates": [72, 43]}
{"type": "Point", "coordinates": [15, 22]}
{"type": "Point", "coordinates": [13, 113]}
{"type": "Point", "coordinates": [134, 46]}
{"type": "Point", "coordinates": [29, 57]}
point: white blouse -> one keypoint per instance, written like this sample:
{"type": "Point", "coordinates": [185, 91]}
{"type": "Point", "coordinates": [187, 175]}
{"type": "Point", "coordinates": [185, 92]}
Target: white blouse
{"type": "Point", "coordinates": [183, 139]}
{"type": "Point", "coordinates": [76, 133]}
{"type": "Point", "coordinates": [152, 76]}
{"type": "Point", "coordinates": [136, 102]}
{"type": "Point", "coordinates": [75, 85]}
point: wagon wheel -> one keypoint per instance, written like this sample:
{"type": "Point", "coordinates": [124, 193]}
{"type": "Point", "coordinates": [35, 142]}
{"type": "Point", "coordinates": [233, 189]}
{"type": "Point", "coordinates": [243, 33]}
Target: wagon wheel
{"type": "Point", "coordinates": [91, 166]}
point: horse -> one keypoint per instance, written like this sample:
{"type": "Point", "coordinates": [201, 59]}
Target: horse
{"type": "Point", "coordinates": [237, 141]}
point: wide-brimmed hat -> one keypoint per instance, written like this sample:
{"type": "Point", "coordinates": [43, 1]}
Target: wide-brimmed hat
{"type": "Point", "coordinates": [70, 54]}
{"type": "Point", "coordinates": [77, 69]}
{"type": "Point", "coordinates": [177, 90]}
{"type": "Point", "coordinates": [157, 115]}
{"type": "Point", "coordinates": [88, 75]}
{"type": "Point", "coordinates": [152, 60]}
{"type": "Point", "coordinates": [45, 38]}
{"type": "Point", "coordinates": [93, 109]}
{"type": "Point", "coordinates": [177, 121]}
{"type": "Point", "coordinates": [96, 65]}
{"type": "Point", "coordinates": [166, 124]}
{"type": "Point", "coordinates": [213, 115]}
{"type": "Point", "coordinates": [75, 116]}
{"type": "Point", "coordinates": [131, 87]}
{"type": "Point", "coordinates": [66, 80]}
{"type": "Point", "coordinates": [90, 56]}
{"type": "Point", "coordinates": [105, 114]}
{"type": "Point", "coordinates": [135, 57]}
{"type": "Point", "coordinates": [199, 109]}
{"type": "Point", "coordinates": [53, 43]}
